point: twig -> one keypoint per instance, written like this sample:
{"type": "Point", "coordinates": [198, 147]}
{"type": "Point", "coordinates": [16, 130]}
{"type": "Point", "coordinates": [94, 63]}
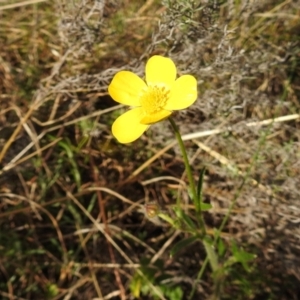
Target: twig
{"type": "Point", "coordinates": [10, 6]}
{"type": "Point", "coordinates": [200, 134]}
{"type": "Point", "coordinates": [95, 172]}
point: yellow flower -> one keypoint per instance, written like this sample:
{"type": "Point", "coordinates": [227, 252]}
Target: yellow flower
{"type": "Point", "coordinates": [151, 100]}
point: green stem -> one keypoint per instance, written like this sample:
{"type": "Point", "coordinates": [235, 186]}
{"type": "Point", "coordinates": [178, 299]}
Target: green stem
{"type": "Point", "coordinates": [167, 219]}
{"type": "Point", "coordinates": [211, 255]}
{"type": "Point", "coordinates": [189, 174]}
{"type": "Point", "coordinates": [199, 276]}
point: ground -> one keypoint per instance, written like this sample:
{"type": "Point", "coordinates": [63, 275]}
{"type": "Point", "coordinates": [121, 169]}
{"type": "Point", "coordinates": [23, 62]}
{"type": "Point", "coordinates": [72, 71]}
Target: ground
{"type": "Point", "coordinates": [72, 214]}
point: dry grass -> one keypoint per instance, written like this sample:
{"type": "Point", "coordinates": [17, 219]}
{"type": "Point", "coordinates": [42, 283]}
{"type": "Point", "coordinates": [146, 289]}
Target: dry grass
{"type": "Point", "coordinates": [71, 209]}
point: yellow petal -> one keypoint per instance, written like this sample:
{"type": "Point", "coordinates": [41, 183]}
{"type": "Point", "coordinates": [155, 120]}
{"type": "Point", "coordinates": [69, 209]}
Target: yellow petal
{"type": "Point", "coordinates": [156, 117]}
{"type": "Point", "coordinates": [183, 93]}
{"type": "Point", "coordinates": [127, 128]}
{"type": "Point", "coordinates": [160, 69]}
{"type": "Point", "coordinates": [125, 88]}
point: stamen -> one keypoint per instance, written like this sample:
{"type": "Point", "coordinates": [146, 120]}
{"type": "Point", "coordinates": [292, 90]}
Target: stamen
{"type": "Point", "coordinates": [154, 98]}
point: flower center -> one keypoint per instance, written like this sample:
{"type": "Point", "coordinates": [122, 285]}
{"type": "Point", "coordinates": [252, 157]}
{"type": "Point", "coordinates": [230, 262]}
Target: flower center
{"type": "Point", "coordinates": [154, 98]}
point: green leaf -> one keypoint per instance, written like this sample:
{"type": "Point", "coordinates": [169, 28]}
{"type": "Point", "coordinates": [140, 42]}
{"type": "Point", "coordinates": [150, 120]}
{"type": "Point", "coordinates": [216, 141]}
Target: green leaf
{"type": "Point", "coordinates": [135, 286]}
{"type": "Point", "coordinates": [69, 148]}
{"type": "Point", "coordinates": [205, 206]}
{"type": "Point", "coordinates": [242, 256]}
{"type": "Point", "coordinates": [199, 205]}
{"type": "Point", "coordinates": [211, 254]}
{"type": "Point", "coordinates": [221, 247]}
{"type": "Point", "coordinates": [52, 291]}
{"type": "Point", "coordinates": [182, 216]}
{"type": "Point", "coordinates": [182, 244]}
{"type": "Point", "coordinates": [173, 293]}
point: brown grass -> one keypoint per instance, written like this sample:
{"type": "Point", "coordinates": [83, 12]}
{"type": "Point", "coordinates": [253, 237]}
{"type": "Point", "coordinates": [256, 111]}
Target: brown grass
{"type": "Point", "coordinates": [71, 209]}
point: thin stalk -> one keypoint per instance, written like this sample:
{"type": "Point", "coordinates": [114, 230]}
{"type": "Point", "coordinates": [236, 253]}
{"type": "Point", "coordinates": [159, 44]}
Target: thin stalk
{"type": "Point", "coordinates": [189, 174]}
{"type": "Point", "coordinates": [199, 276]}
